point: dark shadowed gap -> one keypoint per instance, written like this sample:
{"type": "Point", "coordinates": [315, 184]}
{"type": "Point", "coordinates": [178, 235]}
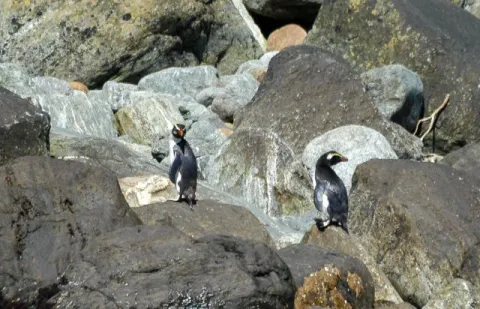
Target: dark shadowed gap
{"type": "Point", "coordinates": [267, 24]}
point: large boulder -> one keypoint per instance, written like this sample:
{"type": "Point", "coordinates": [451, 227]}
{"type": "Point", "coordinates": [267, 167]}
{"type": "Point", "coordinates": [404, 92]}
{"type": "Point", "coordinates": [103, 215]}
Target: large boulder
{"type": "Point", "coordinates": [119, 157]}
{"type": "Point", "coordinates": [419, 222]}
{"type": "Point", "coordinates": [358, 143]}
{"type": "Point", "coordinates": [94, 42]}
{"type": "Point", "coordinates": [209, 217]}
{"type": "Point", "coordinates": [328, 278]}
{"type": "Point", "coordinates": [259, 166]}
{"type": "Point", "coordinates": [50, 209]}
{"type": "Point", "coordinates": [24, 128]}
{"type": "Point", "coordinates": [335, 238]}
{"type": "Point", "coordinates": [307, 92]}
{"type": "Point", "coordinates": [436, 39]}
{"type": "Point", "coordinates": [161, 267]}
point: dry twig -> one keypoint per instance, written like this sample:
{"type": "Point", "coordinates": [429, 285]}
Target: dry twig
{"type": "Point", "coordinates": [433, 117]}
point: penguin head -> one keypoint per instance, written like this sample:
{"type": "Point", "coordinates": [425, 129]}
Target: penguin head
{"type": "Point", "coordinates": [331, 158]}
{"type": "Point", "coordinates": [178, 131]}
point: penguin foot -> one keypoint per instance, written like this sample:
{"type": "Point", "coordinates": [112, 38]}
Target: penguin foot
{"type": "Point", "coordinates": [321, 225]}
{"type": "Point", "coordinates": [192, 202]}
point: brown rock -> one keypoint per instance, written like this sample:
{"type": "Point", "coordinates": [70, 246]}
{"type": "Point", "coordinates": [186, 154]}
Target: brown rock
{"type": "Point", "coordinates": [79, 86]}
{"type": "Point", "coordinates": [258, 73]}
{"type": "Point", "coordinates": [288, 35]}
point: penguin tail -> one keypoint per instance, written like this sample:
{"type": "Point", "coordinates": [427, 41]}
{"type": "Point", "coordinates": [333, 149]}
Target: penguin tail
{"type": "Point", "coordinates": [344, 226]}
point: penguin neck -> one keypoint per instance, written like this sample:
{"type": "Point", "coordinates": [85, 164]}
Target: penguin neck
{"type": "Point", "coordinates": [325, 171]}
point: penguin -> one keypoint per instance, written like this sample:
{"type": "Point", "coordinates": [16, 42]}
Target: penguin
{"type": "Point", "coordinates": [330, 196]}
{"type": "Point", "coordinates": [183, 166]}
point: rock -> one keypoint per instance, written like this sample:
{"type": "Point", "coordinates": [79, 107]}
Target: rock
{"type": "Point", "coordinates": [144, 190]}
{"type": "Point", "coordinates": [457, 295]}
{"type": "Point", "coordinates": [121, 158]}
{"type": "Point", "coordinates": [397, 306]}
{"type": "Point", "coordinates": [239, 90]}
{"type": "Point", "coordinates": [466, 159]}
{"type": "Point", "coordinates": [418, 221]}
{"type": "Point", "coordinates": [234, 37]}
{"type": "Point", "coordinates": [473, 7]}
{"type": "Point", "coordinates": [142, 38]}
{"type": "Point", "coordinates": [24, 128]}
{"type": "Point", "coordinates": [47, 85]}
{"type": "Point", "coordinates": [283, 37]}
{"type": "Point", "coordinates": [16, 79]}
{"type": "Point", "coordinates": [358, 143]}
{"type": "Point", "coordinates": [262, 63]}
{"type": "Point", "coordinates": [135, 266]}
{"type": "Point", "coordinates": [208, 218]}
{"type": "Point", "coordinates": [117, 94]}
{"type": "Point", "coordinates": [76, 85]}
{"type": "Point", "coordinates": [397, 93]}
{"type": "Point", "coordinates": [270, 177]}
{"type": "Point", "coordinates": [328, 278]}
{"type": "Point", "coordinates": [285, 10]}
{"type": "Point", "coordinates": [334, 238]}
{"type": "Point", "coordinates": [207, 95]}
{"type": "Point", "coordinates": [441, 47]}
{"type": "Point", "coordinates": [148, 118]}
{"type": "Point", "coordinates": [75, 112]}
{"type": "Point", "coordinates": [182, 81]}
{"type": "Point", "coordinates": [307, 92]}
{"type": "Point", "coordinates": [50, 209]}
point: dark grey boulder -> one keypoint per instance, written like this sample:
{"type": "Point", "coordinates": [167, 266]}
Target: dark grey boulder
{"type": "Point", "coordinates": [209, 217]}
{"type": "Point", "coordinates": [50, 209]}
{"type": "Point", "coordinates": [24, 128]}
{"type": "Point", "coordinates": [419, 221]}
{"type": "Point", "coordinates": [160, 267]}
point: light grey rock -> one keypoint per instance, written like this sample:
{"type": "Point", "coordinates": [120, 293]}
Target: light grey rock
{"type": "Point", "coordinates": [47, 85]}
{"type": "Point", "coordinates": [120, 157]}
{"type": "Point", "coordinates": [397, 93]}
{"type": "Point", "coordinates": [265, 59]}
{"type": "Point", "coordinates": [75, 112]}
{"type": "Point", "coordinates": [239, 90]}
{"type": "Point", "coordinates": [207, 95]}
{"type": "Point", "coordinates": [460, 294]}
{"type": "Point", "coordinates": [149, 118]}
{"type": "Point", "coordinates": [182, 81]}
{"type": "Point", "coordinates": [358, 143]}
{"type": "Point", "coordinates": [118, 94]}
{"type": "Point", "coordinates": [250, 66]}
{"type": "Point", "coordinates": [16, 79]}
{"type": "Point", "coordinates": [259, 166]}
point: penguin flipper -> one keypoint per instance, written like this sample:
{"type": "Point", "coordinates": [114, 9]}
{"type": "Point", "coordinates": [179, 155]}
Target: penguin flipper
{"type": "Point", "coordinates": [175, 166]}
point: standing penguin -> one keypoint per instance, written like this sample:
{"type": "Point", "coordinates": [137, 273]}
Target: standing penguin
{"type": "Point", "coordinates": [330, 195]}
{"type": "Point", "coordinates": [183, 166]}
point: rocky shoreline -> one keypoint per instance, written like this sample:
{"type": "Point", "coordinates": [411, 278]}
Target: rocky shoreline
{"type": "Point", "coordinates": [85, 218]}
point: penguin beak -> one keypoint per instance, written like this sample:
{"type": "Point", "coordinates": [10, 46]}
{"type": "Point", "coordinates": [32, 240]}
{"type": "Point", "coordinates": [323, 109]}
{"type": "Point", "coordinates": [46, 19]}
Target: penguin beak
{"type": "Point", "coordinates": [344, 159]}
{"type": "Point", "coordinates": [181, 132]}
